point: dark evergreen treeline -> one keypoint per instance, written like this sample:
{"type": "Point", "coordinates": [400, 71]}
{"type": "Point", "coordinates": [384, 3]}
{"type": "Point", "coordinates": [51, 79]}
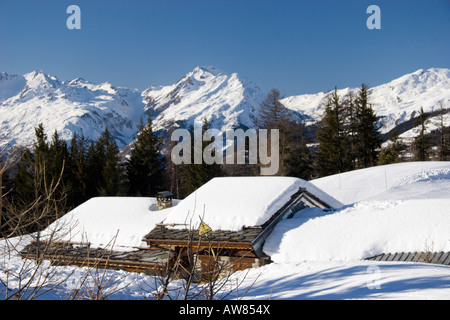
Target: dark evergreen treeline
{"type": "Point", "coordinates": [347, 138]}
{"type": "Point", "coordinates": [348, 135]}
{"type": "Point", "coordinates": [83, 169]}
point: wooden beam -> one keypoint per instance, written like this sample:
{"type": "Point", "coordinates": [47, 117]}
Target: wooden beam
{"type": "Point", "coordinates": [202, 245]}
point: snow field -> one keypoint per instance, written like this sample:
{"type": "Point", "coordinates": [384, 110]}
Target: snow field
{"type": "Point", "coordinates": [316, 254]}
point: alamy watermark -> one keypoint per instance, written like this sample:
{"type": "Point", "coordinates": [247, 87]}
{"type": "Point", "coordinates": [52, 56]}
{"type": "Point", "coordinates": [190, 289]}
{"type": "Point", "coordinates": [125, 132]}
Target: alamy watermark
{"type": "Point", "coordinates": [74, 20]}
{"type": "Point", "coordinates": [374, 21]}
{"type": "Point", "coordinates": [228, 148]}
{"type": "Point", "coordinates": [374, 279]}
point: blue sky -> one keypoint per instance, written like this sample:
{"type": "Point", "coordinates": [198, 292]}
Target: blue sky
{"type": "Point", "coordinates": [295, 46]}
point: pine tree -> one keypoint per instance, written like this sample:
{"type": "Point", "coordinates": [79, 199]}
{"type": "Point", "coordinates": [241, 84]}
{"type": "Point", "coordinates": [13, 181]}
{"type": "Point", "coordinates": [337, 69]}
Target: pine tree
{"type": "Point", "coordinates": [24, 182]}
{"type": "Point", "coordinates": [112, 173]}
{"type": "Point", "coordinates": [32, 174]}
{"type": "Point", "coordinates": [393, 152]}
{"type": "Point", "coordinates": [77, 166]}
{"type": "Point", "coordinates": [57, 159]}
{"type": "Point", "coordinates": [93, 170]}
{"type": "Point", "coordinates": [444, 136]}
{"type": "Point", "coordinates": [351, 128]}
{"type": "Point", "coordinates": [146, 167]}
{"type": "Point", "coordinates": [194, 175]}
{"type": "Point", "coordinates": [39, 181]}
{"type": "Point", "coordinates": [446, 144]}
{"type": "Point", "coordinates": [57, 168]}
{"type": "Point", "coordinates": [300, 162]}
{"type": "Point", "coordinates": [368, 139]}
{"type": "Point", "coordinates": [273, 115]}
{"type": "Point", "coordinates": [421, 143]}
{"type": "Point", "coordinates": [107, 153]}
{"type": "Point", "coordinates": [214, 169]}
{"type": "Point", "coordinates": [173, 170]}
{"type": "Point", "coordinates": [40, 173]}
{"type": "Point", "coordinates": [40, 147]}
{"type": "Point", "coordinates": [332, 155]}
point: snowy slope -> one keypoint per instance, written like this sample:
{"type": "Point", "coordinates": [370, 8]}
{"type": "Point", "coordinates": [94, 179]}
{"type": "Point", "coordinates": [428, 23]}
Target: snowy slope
{"type": "Point", "coordinates": [409, 180]}
{"type": "Point", "coordinates": [75, 106]}
{"type": "Point", "coordinates": [395, 102]}
{"type": "Point", "coordinates": [227, 100]}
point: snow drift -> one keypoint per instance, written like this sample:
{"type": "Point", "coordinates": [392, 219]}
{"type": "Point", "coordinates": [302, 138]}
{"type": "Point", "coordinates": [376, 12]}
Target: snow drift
{"type": "Point", "coordinates": [413, 214]}
{"type": "Point", "coordinates": [408, 180]}
{"type": "Point", "coordinates": [363, 230]}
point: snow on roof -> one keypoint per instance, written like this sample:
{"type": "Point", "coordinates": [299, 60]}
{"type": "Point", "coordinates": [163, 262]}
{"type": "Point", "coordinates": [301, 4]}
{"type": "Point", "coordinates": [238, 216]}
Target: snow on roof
{"type": "Point", "coordinates": [99, 220]}
{"type": "Point", "coordinates": [229, 203]}
{"type": "Point", "coordinates": [362, 231]}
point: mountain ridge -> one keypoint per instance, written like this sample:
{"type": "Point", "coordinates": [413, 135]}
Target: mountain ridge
{"type": "Point", "coordinates": [226, 99]}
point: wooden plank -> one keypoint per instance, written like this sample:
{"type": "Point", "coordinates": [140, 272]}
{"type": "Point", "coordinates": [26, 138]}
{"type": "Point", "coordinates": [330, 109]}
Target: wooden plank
{"type": "Point", "coordinates": [447, 259]}
{"type": "Point", "coordinates": [202, 245]}
{"type": "Point", "coordinates": [390, 257]}
{"type": "Point", "coordinates": [422, 257]}
{"type": "Point", "coordinates": [379, 257]}
{"type": "Point", "coordinates": [435, 257]}
{"type": "Point", "coordinates": [440, 260]}
{"type": "Point", "coordinates": [397, 256]}
{"type": "Point", "coordinates": [416, 257]}
{"type": "Point", "coordinates": [410, 257]}
{"type": "Point", "coordinates": [384, 257]}
{"type": "Point", "coordinates": [404, 256]}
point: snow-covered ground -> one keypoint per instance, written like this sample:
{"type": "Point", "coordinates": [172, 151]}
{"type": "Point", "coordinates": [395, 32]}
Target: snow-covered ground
{"type": "Point", "coordinates": [316, 254]}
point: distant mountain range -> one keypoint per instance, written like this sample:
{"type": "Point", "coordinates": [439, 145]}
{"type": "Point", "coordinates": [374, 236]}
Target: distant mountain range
{"type": "Point", "coordinates": [227, 100]}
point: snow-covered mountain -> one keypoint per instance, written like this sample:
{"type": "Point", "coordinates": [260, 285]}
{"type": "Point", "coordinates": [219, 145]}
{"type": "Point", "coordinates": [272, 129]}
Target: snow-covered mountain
{"type": "Point", "coordinates": [68, 107]}
{"type": "Point", "coordinates": [227, 100]}
{"type": "Point", "coordinates": [394, 102]}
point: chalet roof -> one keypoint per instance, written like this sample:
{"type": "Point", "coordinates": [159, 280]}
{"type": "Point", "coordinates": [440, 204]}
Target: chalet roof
{"type": "Point", "coordinates": [249, 237]}
{"type": "Point", "coordinates": [161, 235]}
{"type": "Point", "coordinates": [229, 203]}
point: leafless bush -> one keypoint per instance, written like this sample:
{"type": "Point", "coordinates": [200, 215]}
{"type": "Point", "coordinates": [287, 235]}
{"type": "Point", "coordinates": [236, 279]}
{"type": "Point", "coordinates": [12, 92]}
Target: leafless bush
{"type": "Point", "coordinates": [33, 264]}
